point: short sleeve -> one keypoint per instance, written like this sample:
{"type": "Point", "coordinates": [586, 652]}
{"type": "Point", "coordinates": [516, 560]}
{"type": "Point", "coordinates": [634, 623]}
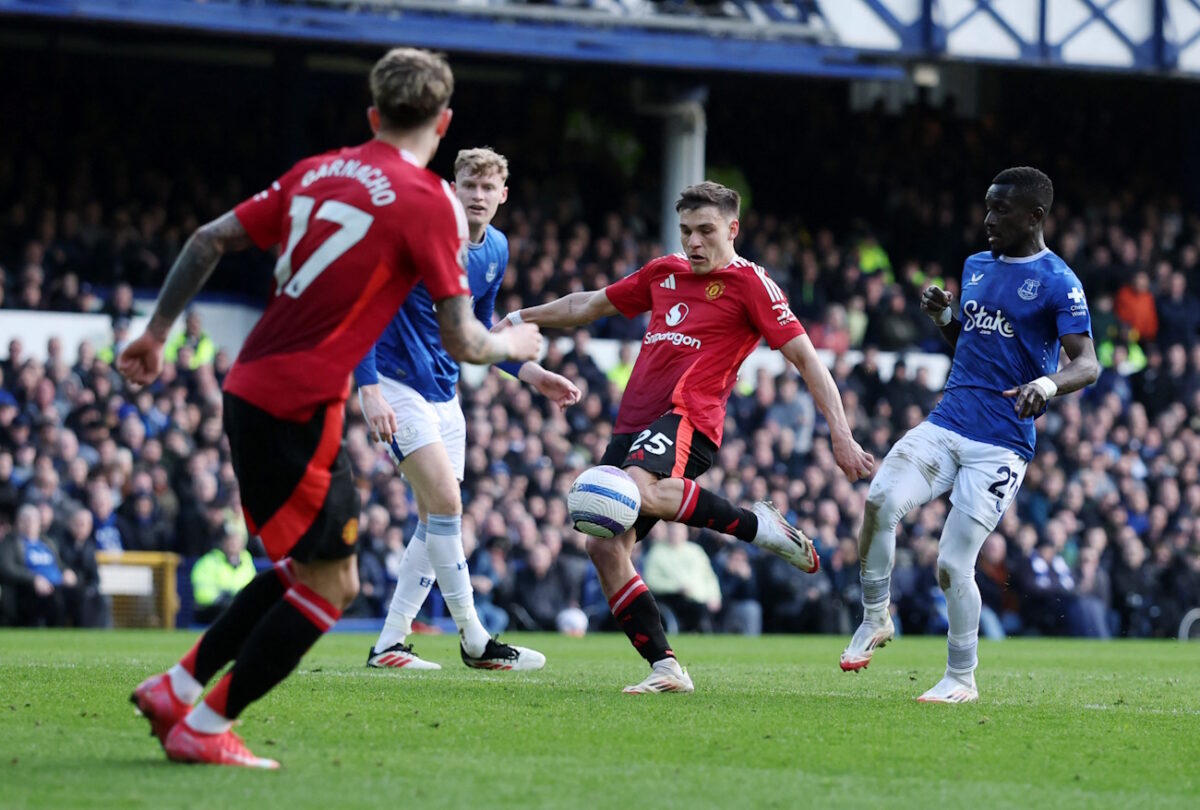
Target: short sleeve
{"type": "Point", "coordinates": [769, 310]}
{"type": "Point", "coordinates": [631, 295]}
{"type": "Point", "coordinates": [1070, 307]}
{"type": "Point", "coordinates": [439, 244]}
{"type": "Point", "coordinates": [263, 214]}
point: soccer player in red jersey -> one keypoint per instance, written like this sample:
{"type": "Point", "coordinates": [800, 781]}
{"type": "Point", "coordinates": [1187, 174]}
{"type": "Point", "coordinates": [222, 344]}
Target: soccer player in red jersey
{"type": "Point", "coordinates": [708, 308]}
{"type": "Point", "coordinates": [359, 227]}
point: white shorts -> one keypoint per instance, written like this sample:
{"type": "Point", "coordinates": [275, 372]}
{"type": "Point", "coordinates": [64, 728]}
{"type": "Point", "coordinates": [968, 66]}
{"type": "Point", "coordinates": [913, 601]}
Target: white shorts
{"type": "Point", "coordinates": [983, 478]}
{"type": "Point", "coordinates": [420, 422]}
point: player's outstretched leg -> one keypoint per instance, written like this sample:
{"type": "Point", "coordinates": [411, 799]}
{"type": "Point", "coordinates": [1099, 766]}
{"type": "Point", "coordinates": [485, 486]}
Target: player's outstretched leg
{"type": "Point", "coordinates": [898, 489]}
{"type": "Point", "coordinates": [682, 500]}
{"type": "Point", "coordinates": [637, 614]}
{"type": "Point", "coordinates": [958, 549]}
{"type": "Point", "coordinates": [271, 651]}
{"type": "Point", "coordinates": [166, 698]}
{"type": "Point", "coordinates": [414, 581]}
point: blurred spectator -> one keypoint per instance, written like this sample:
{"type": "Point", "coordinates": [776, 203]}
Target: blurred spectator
{"type": "Point", "coordinates": [739, 593]}
{"type": "Point", "coordinates": [220, 574]}
{"type": "Point", "coordinates": [1135, 306]}
{"type": "Point", "coordinates": [199, 344]}
{"type": "Point", "coordinates": [540, 592]}
{"type": "Point", "coordinates": [32, 577]}
{"type": "Point", "coordinates": [680, 575]}
{"type": "Point", "coordinates": [85, 605]}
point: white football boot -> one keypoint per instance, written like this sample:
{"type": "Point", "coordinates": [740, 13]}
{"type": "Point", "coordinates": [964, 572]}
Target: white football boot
{"type": "Point", "coordinates": [783, 540]}
{"type": "Point", "coordinates": [869, 636]}
{"type": "Point", "coordinates": [398, 656]}
{"type": "Point", "coordinates": [665, 676]}
{"type": "Point", "coordinates": [505, 657]}
{"type": "Point", "coordinates": [954, 687]}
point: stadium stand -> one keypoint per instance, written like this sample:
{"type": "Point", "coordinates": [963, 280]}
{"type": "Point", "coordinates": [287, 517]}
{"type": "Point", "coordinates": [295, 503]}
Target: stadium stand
{"type": "Point", "coordinates": [1103, 540]}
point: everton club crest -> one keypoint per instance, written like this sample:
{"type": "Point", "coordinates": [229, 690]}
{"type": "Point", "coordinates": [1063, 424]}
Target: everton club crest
{"type": "Point", "coordinates": [1029, 290]}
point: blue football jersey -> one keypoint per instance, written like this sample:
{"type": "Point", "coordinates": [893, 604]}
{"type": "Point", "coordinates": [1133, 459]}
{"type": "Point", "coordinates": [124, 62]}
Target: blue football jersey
{"type": "Point", "coordinates": [1013, 313]}
{"type": "Point", "coordinates": [410, 349]}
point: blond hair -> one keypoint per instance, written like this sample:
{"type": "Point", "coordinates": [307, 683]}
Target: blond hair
{"type": "Point", "coordinates": [479, 161]}
{"type": "Point", "coordinates": [410, 86]}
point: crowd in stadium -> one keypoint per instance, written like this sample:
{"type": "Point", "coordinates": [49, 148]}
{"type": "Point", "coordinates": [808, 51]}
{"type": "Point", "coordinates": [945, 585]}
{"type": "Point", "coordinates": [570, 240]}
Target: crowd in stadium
{"type": "Point", "coordinates": [1104, 538]}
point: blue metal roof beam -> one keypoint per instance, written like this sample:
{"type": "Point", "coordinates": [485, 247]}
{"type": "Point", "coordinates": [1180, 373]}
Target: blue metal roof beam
{"type": "Point", "coordinates": [621, 45]}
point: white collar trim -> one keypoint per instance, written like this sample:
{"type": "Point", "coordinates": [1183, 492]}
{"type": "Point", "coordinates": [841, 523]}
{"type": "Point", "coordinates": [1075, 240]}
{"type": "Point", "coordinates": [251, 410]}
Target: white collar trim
{"type": "Point", "coordinates": [1024, 259]}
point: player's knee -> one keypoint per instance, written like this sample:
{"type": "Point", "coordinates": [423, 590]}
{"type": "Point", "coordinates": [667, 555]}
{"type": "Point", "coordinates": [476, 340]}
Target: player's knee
{"type": "Point", "coordinates": [604, 552]}
{"type": "Point", "coordinates": [951, 570]}
{"type": "Point", "coordinates": [882, 507]}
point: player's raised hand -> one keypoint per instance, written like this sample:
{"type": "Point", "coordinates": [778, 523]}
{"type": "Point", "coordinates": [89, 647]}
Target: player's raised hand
{"type": "Point", "coordinates": [524, 342]}
{"type": "Point", "coordinates": [558, 389]}
{"type": "Point", "coordinates": [855, 462]}
{"type": "Point", "coordinates": [934, 302]}
{"type": "Point", "coordinates": [1031, 399]}
{"type": "Point", "coordinates": [142, 360]}
{"type": "Point", "coordinates": [381, 419]}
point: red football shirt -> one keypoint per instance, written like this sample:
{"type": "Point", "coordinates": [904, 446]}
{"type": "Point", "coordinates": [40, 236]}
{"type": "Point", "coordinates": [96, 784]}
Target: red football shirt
{"type": "Point", "coordinates": [701, 329]}
{"type": "Point", "coordinates": [359, 227]}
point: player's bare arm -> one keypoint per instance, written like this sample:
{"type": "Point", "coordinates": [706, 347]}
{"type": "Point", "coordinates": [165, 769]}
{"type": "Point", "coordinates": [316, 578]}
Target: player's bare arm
{"type": "Point", "coordinates": [141, 361]}
{"type": "Point", "coordinates": [855, 462]}
{"type": "Point", "coordinates": [554, 387]}
{"type": "Point", "coordinates": [935, 302]}
{"type": "Point", "coordinates": [469, 341]}
{"type": "Point", "coordinates": [1081, 370]}
{"type": "Point", "coordinates": [575, 309]}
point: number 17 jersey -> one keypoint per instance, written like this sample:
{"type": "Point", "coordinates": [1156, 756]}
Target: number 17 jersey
{"type": "Point", "coordinates": [358, 227]}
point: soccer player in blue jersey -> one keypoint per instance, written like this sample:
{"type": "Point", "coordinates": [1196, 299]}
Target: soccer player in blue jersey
{"type": "Point", "coordinates": [1020, 303]}
{"type": "Point", "coordinates": [408, 391]}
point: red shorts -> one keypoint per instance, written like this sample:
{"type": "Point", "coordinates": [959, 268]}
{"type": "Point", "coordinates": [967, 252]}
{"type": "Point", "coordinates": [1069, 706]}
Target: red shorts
{"type": "Point", "coordinates": [296, 482]}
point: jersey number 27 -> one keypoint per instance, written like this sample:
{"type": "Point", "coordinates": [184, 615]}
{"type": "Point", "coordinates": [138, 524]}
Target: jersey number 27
{"type": "Point", "coordinates": [355, 224]}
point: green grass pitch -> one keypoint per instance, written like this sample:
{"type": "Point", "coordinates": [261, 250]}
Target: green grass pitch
{"type": "Point", "coordinates": [773, 723]}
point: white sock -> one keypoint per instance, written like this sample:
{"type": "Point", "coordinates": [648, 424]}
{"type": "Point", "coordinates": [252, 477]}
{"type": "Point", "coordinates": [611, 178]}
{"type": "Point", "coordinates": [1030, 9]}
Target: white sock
{"type": "Point", "coordinates": [959, 545]}
{"type": "Point", "coordinates": [205, 720]}
{"type": "Point", "coordinates": [413, 584]}
{"type": "Point", "coordinates": [185, 686]}
{"type": "Point", "coordinates": [444, 542]}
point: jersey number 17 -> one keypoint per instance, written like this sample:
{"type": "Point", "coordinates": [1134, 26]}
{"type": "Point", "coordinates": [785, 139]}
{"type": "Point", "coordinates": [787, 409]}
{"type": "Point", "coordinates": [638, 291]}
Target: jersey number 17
{"type": "Point", "coordinates": [354, 226]}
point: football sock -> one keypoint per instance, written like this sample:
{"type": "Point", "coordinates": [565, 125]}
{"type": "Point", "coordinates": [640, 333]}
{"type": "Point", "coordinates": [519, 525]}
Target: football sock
{"type": "Point", "coordinates": [637, 614]}
{"type": "Point", "coordinates": [221, 643]}
{"type": "Point", "coordinates": [876, 596]}
{"type": "Point", "coordinates": [961, 540]}
{"type": "Point", "coordinates": [444, 543]}
{"type": "Point", "coordinates": [414, 581]}
{"type": "Point", "coordinates": [272, 650]}
{"type": "Point", "coordinates": [707, 510]}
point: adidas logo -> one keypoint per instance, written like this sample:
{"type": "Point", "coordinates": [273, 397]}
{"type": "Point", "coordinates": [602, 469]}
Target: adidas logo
{"type": "Point", "coordinates": [669, 283]}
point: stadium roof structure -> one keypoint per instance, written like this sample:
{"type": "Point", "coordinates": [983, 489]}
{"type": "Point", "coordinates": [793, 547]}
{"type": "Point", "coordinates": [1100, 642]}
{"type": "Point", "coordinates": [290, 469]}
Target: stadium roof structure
{"type": "Point", "coordinates": [774, 37]}
{"type": "Point", "coordinates": [848, 39]}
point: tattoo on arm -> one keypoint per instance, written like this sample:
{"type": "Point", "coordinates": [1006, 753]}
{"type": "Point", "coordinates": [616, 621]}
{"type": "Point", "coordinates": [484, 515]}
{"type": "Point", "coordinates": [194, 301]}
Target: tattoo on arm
{"type": "Point", "coordinates": [463, 336]}
{"type": "Point", "coordinates": [193, 267]}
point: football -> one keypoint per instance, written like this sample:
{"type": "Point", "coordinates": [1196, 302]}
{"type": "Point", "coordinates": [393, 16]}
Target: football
{"type": "Point", "coordinates": [604, 502]}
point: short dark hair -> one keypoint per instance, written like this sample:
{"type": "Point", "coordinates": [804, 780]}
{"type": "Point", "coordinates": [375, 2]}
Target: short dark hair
{"type": "Point", "coordinates": [1029, 183]}
{"type": "Point", "coordinates": [410, 86]}
{"type": "Point", "coordinates": [724, 199]}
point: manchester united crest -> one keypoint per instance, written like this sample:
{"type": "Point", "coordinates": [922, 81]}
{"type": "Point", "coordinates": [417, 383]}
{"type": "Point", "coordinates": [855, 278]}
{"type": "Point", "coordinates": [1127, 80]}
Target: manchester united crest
{"type": "Point", "coordinates": [350, 532]}
{"type": "Point", "coordinates": [714, 290]}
